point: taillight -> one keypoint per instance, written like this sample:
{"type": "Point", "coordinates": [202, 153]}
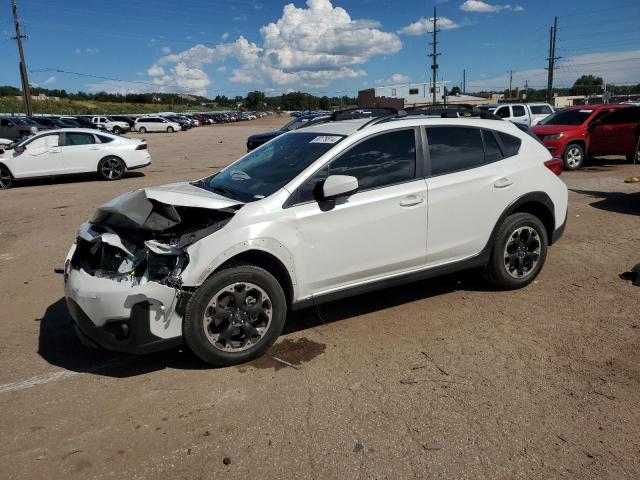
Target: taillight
{"type": "Point", "coordinates": [555, 165]}
{"type": "Point", "coordinates": [143, 146]}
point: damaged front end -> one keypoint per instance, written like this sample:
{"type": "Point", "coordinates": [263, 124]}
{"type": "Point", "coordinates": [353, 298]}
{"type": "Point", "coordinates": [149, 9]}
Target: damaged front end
{"type": "Point", "coordinates": [123, 274]}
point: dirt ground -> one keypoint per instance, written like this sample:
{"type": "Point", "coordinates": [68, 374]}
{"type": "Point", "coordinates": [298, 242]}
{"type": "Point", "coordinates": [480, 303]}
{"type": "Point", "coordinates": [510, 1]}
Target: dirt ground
{"type": "Point", "coordinates": [445, 378]}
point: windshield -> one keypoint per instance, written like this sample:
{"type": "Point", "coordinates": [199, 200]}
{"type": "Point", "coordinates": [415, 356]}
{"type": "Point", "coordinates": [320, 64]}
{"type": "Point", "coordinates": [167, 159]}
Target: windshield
{"type": "Point", "coordinates": [293, 124]}
{"type": "Point", "coordinates": [270, 167]}
{"type": "Point", "coordinates": [568, 117]}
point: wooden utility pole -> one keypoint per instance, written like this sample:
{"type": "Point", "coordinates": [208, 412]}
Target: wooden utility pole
{"type": "Point", "coordinates": [510, 82]}
{"type": "Point", "coordinates": [26, 92]}
{"type": "Point", "coordinates": [434, 55]}
{"type": "Point", "coordinates": [552, 59]}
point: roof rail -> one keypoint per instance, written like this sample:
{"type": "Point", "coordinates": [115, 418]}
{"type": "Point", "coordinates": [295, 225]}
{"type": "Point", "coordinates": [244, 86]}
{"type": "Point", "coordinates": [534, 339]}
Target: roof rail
{"type": "Point", "coordinates": [354, 113]}
{"type": "Point", "coordinates": [386, 118]}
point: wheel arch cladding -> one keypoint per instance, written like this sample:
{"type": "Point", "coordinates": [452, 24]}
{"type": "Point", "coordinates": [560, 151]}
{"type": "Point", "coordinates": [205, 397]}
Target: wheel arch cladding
{"type": "Point", "coordinates": [537, 204]}
{"type": "Point", "coordinates": [576, 141]}
{"type": "Point", "coordinates": [266, 261]}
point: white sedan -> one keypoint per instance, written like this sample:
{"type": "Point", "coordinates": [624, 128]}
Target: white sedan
{"type": "Point", "coordinates": [72, 151]}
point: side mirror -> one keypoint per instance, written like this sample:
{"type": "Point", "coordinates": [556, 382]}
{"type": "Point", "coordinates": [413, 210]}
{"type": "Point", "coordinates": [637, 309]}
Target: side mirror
{"type": "Point", "coordinates": [19, 148]}
{"type": "Point", "coordinates": [339, 185]}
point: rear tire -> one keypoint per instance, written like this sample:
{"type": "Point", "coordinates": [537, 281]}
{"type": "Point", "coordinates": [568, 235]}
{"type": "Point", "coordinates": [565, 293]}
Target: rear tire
{"type": "Point", "coordinates": [6, 179]}
{"type": "Point", "coordinates": [573, 156]}
{"type": "Point", "coordinates": [235, 316]}
{"type": "Point", "coordinates": [111, 168]}
{"type": "Point", "coordinates": [142, 130]}
{"type": "Point", "coordinates": [519, 252]}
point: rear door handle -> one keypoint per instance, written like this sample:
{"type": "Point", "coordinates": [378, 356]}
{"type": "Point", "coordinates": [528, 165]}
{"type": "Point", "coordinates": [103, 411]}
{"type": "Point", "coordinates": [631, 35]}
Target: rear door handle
{"type": "Point", "coordinates": [411, 200]}
{"type": "Point", "coordinates": [54, 151]}
{"type": "Point", "coordinates": [503, 183]}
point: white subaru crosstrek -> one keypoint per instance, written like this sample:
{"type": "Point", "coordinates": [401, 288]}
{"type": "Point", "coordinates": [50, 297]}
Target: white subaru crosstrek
{"type": "Point", "coordinates": [313, 215]}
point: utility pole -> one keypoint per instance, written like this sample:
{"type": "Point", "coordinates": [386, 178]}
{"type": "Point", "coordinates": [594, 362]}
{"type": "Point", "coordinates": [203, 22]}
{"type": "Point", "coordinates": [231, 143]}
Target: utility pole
{"type": "Point", "coordinates": [526, 90]}
{"type": "Point", "coordinates": [26, 92]}
{"type": "Point", "coordinates": [434, 56]}
{"type": "Point", "coordinates": [464, 81]}
{"type": "Point", "coordinates": [552, 59]}
{"type": "Point", "coordinates": [510, 82]}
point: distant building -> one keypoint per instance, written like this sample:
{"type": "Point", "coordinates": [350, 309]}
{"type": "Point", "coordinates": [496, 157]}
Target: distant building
{"type": "Point", "coordinates": [411, 95]}
{"type": "Point", "coordinates": [40, 96]}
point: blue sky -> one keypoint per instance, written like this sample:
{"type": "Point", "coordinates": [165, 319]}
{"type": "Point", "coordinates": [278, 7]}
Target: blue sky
{"type": "Point", "coordinates": [215, 47]}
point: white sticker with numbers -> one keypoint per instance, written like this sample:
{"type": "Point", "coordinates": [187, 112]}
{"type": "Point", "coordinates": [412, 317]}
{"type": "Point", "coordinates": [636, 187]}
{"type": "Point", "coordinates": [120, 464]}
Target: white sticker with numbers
{"type": "Point", "coordinates": [325, 139]}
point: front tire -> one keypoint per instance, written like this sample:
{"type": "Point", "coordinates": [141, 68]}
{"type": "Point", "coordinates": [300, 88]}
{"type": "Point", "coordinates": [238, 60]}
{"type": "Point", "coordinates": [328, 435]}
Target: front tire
{"type": "Point", "coordinates": [235, 316]}
{"type": "Point", "coordinates": [111, 168]}
{"type": "Point", "coordinates": [170, 130]}
{"type": "Point", "coordinates": [6, 179]}
{"type": "Point", "coordinates": [519, 252]}
{"type": "Point", "coordinates": [573, 157]}
{"type": "Point", "coordinates": [117, 130]}
{"type": "Point", "coordinates": [142, 130]}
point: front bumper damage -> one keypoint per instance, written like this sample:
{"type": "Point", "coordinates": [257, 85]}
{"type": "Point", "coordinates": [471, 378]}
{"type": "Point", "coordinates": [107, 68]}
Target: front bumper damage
{"type": "Point", "coordinates": [122, 276]}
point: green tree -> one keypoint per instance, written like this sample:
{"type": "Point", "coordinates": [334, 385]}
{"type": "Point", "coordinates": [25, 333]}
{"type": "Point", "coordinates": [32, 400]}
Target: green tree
{"type": "Point", "coordinates": [255, 100]}
{"type": "Point", "coordinates": [587, 84]}
{"type": "Point", "coordinates": [455, 90]}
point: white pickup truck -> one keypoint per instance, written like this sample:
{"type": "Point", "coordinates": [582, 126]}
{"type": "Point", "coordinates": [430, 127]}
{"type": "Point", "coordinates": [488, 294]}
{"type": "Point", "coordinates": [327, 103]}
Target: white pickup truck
{"type": "Point", "coordinates": [529, 114]}
{"type": "Point", "coordinates": [111, 125]}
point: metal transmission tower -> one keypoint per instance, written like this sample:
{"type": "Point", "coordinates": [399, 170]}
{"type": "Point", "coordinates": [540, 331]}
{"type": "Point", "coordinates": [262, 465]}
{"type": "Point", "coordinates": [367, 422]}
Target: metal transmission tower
{"type": "Point", "coordinates": [552, 59]}
{"type": "Point", "coordinates": [434, 56]}
{"type": "Point", "coordinates": [26, 92]}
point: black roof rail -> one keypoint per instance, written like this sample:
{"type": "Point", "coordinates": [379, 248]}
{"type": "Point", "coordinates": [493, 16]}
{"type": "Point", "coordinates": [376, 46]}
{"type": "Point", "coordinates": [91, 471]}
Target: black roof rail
{"type": "Point", "coordinates": [386, 118]}
{"type": "Point", "coordinates": [353, 113]}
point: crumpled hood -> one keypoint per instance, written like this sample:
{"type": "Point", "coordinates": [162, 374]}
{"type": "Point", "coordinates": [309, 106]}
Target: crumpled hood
{"type": "Point", "coordinates": [152, 208]}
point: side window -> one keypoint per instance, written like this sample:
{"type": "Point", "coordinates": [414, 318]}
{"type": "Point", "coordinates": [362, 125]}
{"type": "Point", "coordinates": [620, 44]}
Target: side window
{"type": "Point", "coordinates": [5, 123]}
{"type": "Point", "coordinates": [73, 138]}
{"type": "Point", "coordinates": [492, 152]}
{"type": "Point", "coordinates": [599, 115]}
{"type": "Point", "coordinates": [42, 144]}
{"type": "Point", "coordinates": [104, 139]}
{"type": "Point", "coordinates": [624, 115]}
{"type": "Point", "coordinates": [382, 160]}
{"type": "Point", "coordinates": [540, 109]}
{"type": "Point", "coordinates": [518, 111]}
{"type": "Point", "coordinates": [452, 149]}
{"type": "Point", "coordinates": [503, 112]}
{"type": "Point", "coordinates": [310, 190]}
{"type": "Point", "coordinates": [414, 91]}
{"type": "Point", "coordinates": [510, 143]}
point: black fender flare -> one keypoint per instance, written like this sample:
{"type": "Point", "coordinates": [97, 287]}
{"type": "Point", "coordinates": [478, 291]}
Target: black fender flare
{"type": "Point", "coordinates": [537, 199]}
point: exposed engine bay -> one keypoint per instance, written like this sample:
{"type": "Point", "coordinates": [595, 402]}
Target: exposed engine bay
{"type": "Point", "coordinates": [137, 239]}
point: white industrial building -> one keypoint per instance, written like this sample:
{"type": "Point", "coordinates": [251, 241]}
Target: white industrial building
{"type": "Point", "coordinates": [411, 94]}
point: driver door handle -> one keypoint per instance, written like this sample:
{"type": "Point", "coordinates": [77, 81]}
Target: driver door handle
{"type": "Point", "coordinates": [503, 183]}
{"type": "Point", "coordinates": [411, 200]}
{"type": "Point", "coordinates": [54, 151]}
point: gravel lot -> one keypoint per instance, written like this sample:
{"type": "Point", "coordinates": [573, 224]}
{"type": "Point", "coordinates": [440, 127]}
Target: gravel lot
{"type": "Point", "coordinates": [440, 379]}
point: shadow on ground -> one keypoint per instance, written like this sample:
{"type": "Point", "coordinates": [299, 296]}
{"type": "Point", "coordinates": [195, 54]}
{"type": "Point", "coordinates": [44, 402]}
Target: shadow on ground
{"type": "Point", "coordinates": [81, 178]}
{"type": "Point", "coordinates": [618, 202]}
{"type": "Point", "coordinates": [59, 346]}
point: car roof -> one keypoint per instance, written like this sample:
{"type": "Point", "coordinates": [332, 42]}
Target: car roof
{"type": "Point", "coordinates": [78, 130]}
{"type": "Point", "coordinates": [595, 107]}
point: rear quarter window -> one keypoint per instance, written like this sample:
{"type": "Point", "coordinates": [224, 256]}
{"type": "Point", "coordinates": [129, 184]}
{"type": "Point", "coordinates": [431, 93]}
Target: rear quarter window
{"type": "Point", "coordinates": [510, 144]}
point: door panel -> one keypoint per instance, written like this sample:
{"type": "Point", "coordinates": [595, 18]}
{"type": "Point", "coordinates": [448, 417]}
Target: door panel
{"type": "Point", "coordinates": [42, 157]}
{"type": "Point", "coordinates": [520, 114]}
{"type": "Point", "coordinates": [617, 134]}
{"type": "Point", "coordinates": [368, 235]}
{"type": "Point", "coordinates": [80, 153]}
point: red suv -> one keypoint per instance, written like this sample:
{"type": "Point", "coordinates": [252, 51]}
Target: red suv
{"type": "Point", "coordinates": [575, 132]}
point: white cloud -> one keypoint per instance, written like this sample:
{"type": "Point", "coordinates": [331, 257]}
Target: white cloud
{"type": "Point", "coordinates": [86, 51]}
{"type": "Point", "coordinates": [224, 36]}
{"type": "Point", "coordinates": [50, 80]}
{"type": "Point", "coordinates": [165, 50]}
{"type": "Point", "coordinates": [305, 47]}
{"type": "Point", "coordinates": [614, 67]}
{"type": "Point", "coordinates": [221, 69]}
{"type": "Point", "coordinates": [155, 71]}
{"type": "Point", "coordinates": [396, 78]}
{"type": "Point", "coordinates": [425, 25]}
{"type": "Point", "coordinates": [478, 6]}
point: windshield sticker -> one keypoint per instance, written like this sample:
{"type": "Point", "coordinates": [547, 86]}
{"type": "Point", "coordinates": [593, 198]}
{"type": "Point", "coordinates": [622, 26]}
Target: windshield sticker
{"type": "Point", "coordinates": [325, 139]}
{"type": "Point", "coordinates": [586, 111]}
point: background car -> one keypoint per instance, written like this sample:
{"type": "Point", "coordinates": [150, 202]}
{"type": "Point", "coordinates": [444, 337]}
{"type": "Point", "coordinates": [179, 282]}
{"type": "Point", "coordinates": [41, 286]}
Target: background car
{"type": "Point", "coordinates": [566, 132]}
{"type": "Point", "coordinates": [122, 118]}
{"type": "Point", "coordinates": [156, 124]}
{"type": "Point", "coordinates": [110, 124]}
{"type": "Point", "coordinates": [14, 128]}
{"type": "Point", "coordinates": [254, 141]}
{"type": "Point", "coordinates": [72, 151]}
{"type": "Point", "coordinates": [83, 122]}
{"type": "Point", "coordinates": [49, 123]}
